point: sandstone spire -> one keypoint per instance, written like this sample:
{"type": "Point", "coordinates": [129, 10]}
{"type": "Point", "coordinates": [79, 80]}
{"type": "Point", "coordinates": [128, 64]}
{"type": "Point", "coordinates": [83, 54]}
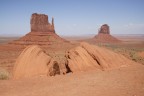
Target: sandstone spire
{"type": "Point", "coordinates": [53, 22]}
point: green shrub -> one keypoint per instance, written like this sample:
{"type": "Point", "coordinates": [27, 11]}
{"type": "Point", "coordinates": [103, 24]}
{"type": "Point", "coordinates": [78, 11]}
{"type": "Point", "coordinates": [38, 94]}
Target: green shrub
{"type": "Point", "coordinates": [4, 75]}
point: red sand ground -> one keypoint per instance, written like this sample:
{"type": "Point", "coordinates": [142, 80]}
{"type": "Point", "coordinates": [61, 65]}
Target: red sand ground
{"type": "Point", "coordinates": [141, 54]}
{"type": "Point", "coordinates": [127, 81]}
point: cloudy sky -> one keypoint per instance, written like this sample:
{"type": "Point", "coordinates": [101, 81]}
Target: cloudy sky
{"type": "Point", "coordinates": [74, 17]}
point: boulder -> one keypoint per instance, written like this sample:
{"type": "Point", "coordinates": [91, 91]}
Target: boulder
{"type": "Point", "coordinates": [33, 61]}
{"type": "Point", "coordinates": [88, 57]}
{"type": "Point", "coordinates": [80, 60]}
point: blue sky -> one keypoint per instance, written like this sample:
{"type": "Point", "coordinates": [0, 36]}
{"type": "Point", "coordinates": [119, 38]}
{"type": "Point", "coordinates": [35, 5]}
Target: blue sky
{"type": "Point", "coordinates": [74, 17]}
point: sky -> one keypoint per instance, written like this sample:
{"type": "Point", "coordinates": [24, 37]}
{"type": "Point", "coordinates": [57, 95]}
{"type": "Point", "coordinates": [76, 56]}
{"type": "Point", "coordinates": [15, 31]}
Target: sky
{"type": "Point", "coordinates": [74, 17]}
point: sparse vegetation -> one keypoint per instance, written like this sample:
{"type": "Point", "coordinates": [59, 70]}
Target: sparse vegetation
{"type": "Point", "coordinates": [4, 75]}
{"type": "Point", "coordinates": [129, 52]}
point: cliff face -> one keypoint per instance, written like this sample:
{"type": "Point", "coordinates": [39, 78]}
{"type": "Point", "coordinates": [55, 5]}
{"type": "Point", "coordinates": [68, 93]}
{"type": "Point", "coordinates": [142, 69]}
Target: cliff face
{"type": "Point", "coordinates": [104, 29]}
{"type": "Point", "coordinates": [40, 23]}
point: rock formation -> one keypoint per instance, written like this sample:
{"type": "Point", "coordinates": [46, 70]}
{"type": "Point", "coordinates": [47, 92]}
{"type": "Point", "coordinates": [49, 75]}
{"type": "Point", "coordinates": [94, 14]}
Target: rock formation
{"type": "Point", "coordinates": [104, 36]}
{"type": "Point", "coordinates": [42, 32]}
{"type": "Point", "coordinates": [80, 60]}
{"type": "Point", "coordinates": [104, 29]}
{"type": "Point", "coordinates": [40, 23]}
{"type": "Point", "coordinates": [89, 57]}
{"type": "Point", "coordinates": [33, 61]}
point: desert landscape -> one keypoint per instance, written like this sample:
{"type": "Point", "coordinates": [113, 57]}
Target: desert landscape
{"type": "Point", "coordinates": [41, 63]}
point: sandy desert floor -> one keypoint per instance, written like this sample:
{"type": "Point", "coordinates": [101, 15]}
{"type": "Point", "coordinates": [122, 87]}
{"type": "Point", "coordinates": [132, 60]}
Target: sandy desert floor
{"type": "Point", "coordinates": [126, 81]}
{"type": "Point", "coordinates": [119, 82]}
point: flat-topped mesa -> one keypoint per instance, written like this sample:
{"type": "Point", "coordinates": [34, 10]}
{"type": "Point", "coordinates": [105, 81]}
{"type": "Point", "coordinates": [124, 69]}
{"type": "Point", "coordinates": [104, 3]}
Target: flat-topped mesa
{"type": "Point", "coordinates": [104, 29]}
{"type": "Point", "coordinates": [40, 23]}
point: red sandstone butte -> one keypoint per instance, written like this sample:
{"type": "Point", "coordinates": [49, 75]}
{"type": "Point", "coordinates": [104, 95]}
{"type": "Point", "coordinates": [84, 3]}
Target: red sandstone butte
{"type": "Point", "coordinates": [42, 32]}
{"type": "Point", "coordinates": [104, 35]}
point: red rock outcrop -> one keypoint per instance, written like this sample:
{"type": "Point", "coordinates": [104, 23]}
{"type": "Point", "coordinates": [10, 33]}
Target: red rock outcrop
{"type": "Point", "coordinates": [104, 29]}
{"type": "Point", "coordinates": [88, 57]}
{"type": "Point", "coordinates": [33, 61]}
{"type": "Point", "coordinates": [42, 32]}
{"type": "Point", "coordinates": [104, 36]}
{"type": "Point", "coordinates": [40, 23]}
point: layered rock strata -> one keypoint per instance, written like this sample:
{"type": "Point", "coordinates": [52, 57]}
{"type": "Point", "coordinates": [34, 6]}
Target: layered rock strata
{"type": "Point", "coordinates": [33, 61]}
{"type": "Point", "coordinates": [89, 57]}
{"type": "Point", "coordinates": [42, 32]}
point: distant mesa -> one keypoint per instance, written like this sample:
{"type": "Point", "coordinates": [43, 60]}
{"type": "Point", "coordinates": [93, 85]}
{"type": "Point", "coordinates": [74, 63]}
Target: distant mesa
{"type": "Point", "coordinates": [104, 29]}
{"type": "Point", "coordinates": [42, 32]}
{"type": "Point", "coordinates": [104, 35]}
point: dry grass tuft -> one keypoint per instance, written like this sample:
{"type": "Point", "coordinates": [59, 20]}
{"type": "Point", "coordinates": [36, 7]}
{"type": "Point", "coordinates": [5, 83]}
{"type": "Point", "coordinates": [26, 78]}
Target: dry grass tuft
{"type": "Point", "coordinates": [4, 74]}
